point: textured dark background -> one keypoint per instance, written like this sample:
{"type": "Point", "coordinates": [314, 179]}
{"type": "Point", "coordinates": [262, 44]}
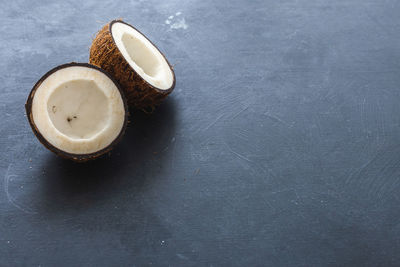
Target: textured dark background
{"type": "Point", "coordinates": [280, 145]}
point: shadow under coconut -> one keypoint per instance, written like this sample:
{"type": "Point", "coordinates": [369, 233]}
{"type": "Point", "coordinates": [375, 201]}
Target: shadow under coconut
{"type": "Point", "coordinates": [131, 164]}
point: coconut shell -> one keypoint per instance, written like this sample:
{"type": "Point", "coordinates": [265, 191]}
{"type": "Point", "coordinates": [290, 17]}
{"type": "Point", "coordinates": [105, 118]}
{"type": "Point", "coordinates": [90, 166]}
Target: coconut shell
{"type": "Point", "coordinates": [139, 93]}
{"type": "Point", "coordinates": [63, 154]}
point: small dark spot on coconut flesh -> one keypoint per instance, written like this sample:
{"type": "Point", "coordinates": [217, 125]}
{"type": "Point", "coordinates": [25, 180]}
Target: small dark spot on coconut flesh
{"type": "Point", "coordinates": [54, 109]}
{"type": "Point", "coordinates": [69, 119]}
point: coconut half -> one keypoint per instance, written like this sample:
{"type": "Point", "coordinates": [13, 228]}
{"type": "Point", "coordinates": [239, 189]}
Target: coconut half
{"type": "Point", "coordinates": [77, 111]}
{"type": "Point", "coordinates": [135, 62]}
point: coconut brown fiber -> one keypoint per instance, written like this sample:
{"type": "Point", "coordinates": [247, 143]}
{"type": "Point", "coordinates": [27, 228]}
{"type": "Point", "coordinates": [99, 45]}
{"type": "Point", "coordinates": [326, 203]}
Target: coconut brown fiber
{"type": "Point", "coordinates": [48, 145]}
{"type": "Point", "coordinates": [139, 93]}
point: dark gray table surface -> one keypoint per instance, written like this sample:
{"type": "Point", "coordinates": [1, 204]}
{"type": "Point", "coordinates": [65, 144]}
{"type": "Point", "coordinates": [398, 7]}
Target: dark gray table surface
{"type": "Point", "coordinates": [280, 145]}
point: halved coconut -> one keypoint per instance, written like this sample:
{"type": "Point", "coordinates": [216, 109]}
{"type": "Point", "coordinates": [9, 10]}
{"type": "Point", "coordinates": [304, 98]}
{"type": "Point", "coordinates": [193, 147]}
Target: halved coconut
{"type": "Point", "coordinates": [135, 62]}
{"type": "Point", "coordinates": [77, 111]}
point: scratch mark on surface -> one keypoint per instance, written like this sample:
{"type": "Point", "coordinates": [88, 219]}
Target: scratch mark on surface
{"type": "Point", "coordinates": [243, 133]}
{"type": "Point", "coordinates": [232, 82]}
{"type": "Point", "coordinates": [356, 173]}
{"type": "Point", "coordinates": [231, 102]}
{"type": "Point", "coordinates": [236, 153]}
{"type": "Point", "coordinates": [210, 125]}
{"type": "Point", "coordinates": [363, 115]}
{"type": "Point", "coordinates": [240, 112]}
{"type": "Point", "coordinates": [275, 118]}
{"type": "Point", "coordinates": [181, 256]}
{"type": "Point", "coordinates": [214, 122]}
{"type": "Point", "coordinates": [7, 177]}
{"type": "Point", "coordinates": [243, 137]}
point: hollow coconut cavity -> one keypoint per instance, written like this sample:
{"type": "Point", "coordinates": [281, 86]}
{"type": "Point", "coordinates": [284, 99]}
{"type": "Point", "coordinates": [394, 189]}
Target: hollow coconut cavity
{"type": "Point", "coordinates": [77, 111]}
{"type": "Point", "coordinates": [135, 62]}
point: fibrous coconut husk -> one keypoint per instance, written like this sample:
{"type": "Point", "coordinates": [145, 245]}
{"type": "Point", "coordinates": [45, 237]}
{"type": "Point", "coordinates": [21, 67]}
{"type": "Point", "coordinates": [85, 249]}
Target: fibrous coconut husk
{"type": "Point", "coordinates": [139, 93]}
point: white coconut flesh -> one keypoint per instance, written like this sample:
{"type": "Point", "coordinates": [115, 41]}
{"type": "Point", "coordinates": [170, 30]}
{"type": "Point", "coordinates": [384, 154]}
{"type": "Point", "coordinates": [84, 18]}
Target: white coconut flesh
{"type": "Point", "coordinates": [78, 110]}
{"type": "Point", "coordinates": [142, 56]}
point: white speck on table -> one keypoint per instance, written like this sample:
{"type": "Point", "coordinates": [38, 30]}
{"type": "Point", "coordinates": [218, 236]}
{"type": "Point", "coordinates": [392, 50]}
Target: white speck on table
{"type": "Point", "coordinates": [175, 22]}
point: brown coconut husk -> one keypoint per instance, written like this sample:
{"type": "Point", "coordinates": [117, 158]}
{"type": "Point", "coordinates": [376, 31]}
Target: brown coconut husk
{"type": "Point", "coordinates": [139, 93]}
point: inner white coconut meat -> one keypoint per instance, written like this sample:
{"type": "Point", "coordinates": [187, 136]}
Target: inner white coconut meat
{"type": "Point", "coordinates": [142, 56]}
{"type": "Point", "coordinates": [78, 110]}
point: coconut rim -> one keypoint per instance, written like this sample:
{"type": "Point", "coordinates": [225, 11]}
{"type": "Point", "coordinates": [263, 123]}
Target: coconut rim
{"type": "Point", "coordinates": [163, 91]}
{"type": "Point", "coordinates": [47, 144]}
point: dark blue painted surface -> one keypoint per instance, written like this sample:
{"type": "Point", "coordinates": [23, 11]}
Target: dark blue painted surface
{"type": "Point", "coordinates": [280, 145]}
